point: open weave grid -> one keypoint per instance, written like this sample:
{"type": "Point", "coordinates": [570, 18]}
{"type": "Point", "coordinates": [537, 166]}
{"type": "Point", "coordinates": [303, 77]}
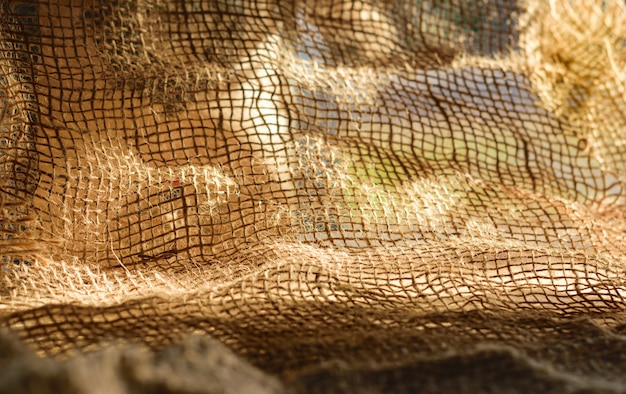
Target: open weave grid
{"type": "Point", "coordinates": [202, 196]}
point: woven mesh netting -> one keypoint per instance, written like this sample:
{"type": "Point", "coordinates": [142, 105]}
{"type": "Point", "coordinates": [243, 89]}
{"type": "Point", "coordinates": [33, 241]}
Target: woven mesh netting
{"type": "Point", "coordinates": [323, 196]}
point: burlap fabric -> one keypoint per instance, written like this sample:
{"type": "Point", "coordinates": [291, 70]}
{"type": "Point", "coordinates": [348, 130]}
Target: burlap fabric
{"type": "Point", "coordinates": [320, 196]}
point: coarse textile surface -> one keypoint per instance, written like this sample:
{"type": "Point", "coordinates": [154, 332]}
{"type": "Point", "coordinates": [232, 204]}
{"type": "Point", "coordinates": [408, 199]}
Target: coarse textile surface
{"type": "Point", "coordinates": [323, 196]}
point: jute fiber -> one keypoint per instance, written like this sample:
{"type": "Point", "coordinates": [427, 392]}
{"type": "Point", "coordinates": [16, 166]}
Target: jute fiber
{"type": "Point", "coordinates": [322, 196]}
